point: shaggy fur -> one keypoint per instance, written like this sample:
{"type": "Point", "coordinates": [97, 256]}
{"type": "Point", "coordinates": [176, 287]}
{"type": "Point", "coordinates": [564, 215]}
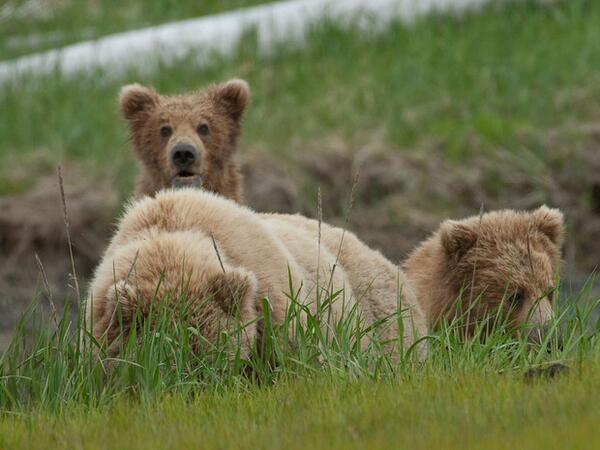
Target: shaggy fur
{"type": "Point", "coordinates": [504, 261]}
{"type": "Point", "coordinates": [170, 238]}
{"type": "Point", "coordinates": [208, 120]}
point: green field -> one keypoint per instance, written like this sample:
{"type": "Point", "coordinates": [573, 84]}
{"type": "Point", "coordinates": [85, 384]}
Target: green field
{"type": "Point", "coordinates": [32, 26]}
{"type": "Point", "coordinates": [499, 80]}
{"type": "Point", "coordinates": [464, 411]}
{"type": "Point", "coordinates": [315, 388]}
{"type": "Point", "coordinates": [505, 80]}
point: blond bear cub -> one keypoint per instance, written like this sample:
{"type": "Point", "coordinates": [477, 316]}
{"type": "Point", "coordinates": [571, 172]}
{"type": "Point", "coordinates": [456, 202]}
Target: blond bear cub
{"type": "Point", "coordinates": [228, 259]}
{"type": "Point", "coordinates": [502, 264]}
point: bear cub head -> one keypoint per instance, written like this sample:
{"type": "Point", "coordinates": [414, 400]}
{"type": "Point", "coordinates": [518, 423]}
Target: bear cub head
{"type": "Point", "coordinates": [186, 140]}
{"type": "Point", "coordinates": [501, 265]}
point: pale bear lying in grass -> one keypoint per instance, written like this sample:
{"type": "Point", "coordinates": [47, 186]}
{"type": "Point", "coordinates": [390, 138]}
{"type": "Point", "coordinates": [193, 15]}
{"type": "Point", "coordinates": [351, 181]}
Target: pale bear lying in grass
{"type": "Point", "coordinates": [169, 239]}
{"type": "Point", "coordinates": [441, 268]}
{"type": "Point", "coordinates": [503, 262]}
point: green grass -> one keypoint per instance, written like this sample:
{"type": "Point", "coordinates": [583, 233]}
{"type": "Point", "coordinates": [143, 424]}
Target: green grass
{"type": "Point", "coordinates": [495, 81]}
{"type": "Point", "coordinates": [313, 387]}
{"type": "Point", "coordinates": [10, 186]}
{"type": "Point", "coordinates": [488, 411]}
{"type": "Point", "coordinates": [57, 23]}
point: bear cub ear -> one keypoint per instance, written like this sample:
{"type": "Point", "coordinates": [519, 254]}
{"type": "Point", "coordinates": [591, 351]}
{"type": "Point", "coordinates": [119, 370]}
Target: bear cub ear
{"type": "Point", "coordinates": [549, 222]}
{"type": "Point", "coordinates": [457, 238]}
{"type": "Point", "coordinates": [135, 98]}
{"type": "Point", "coordinates": [234, 95]}
{"type": "Point", "coordinates": [234, 292]}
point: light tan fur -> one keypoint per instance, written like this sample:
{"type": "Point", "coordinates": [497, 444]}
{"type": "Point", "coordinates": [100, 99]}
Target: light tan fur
{"type": "Point", "coordinates": [171, 238]}
{"type": "Point", "coordinates": [500, 262]}
{"type": "Point", "coordinates": [372, 277]}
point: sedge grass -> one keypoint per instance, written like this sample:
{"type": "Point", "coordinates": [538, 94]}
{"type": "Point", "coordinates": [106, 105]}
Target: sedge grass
{"type": "Point", "coordinates": [53, 368]}
{"type": "Point", "coordinates": [301, 386]}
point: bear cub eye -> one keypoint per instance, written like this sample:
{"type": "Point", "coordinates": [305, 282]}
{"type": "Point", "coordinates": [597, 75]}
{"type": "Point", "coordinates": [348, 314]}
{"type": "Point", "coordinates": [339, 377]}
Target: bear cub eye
{"type": "Point", "coordinates": [202, 130]}
{"type": "Point", "coordinates": [166, 131]}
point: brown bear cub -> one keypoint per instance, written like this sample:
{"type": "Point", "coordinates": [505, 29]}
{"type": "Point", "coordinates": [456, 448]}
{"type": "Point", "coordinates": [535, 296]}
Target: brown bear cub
{"type": "Point", "coordinates": [186, 140]}
{"type": "Point", "coordinates": [502, 264]}
{"type": "Point", "coordinates": [225, 259]}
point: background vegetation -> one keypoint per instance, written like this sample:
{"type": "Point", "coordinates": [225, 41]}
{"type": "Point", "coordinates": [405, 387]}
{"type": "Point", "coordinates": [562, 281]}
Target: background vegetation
{"type": "Point", "coordinates": [517, 79]}
{"type": "Point", "coordinates": [503, 78]}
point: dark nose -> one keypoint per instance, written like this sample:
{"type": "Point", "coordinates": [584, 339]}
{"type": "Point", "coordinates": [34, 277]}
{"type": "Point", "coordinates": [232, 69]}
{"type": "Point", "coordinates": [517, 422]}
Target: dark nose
{"type": "Point", "coordinates": [183, 156]}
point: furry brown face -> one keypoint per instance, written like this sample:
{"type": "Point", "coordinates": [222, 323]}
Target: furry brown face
{"type": "Point", "coordinates": [504, 265]}
{"type": "Point", "coordinates": [186, 140]}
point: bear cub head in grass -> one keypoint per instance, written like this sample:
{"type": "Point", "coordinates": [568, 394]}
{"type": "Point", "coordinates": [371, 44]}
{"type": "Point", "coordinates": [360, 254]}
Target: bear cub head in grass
{"type": "Point", "coordinates": [186, 140]}
{"type": "Point", "coordinates": [500, 267]}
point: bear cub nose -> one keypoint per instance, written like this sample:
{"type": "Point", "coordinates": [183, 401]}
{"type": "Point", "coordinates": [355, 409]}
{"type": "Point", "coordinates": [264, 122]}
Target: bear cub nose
{"type": "Point", "coordinates": [183, 156]}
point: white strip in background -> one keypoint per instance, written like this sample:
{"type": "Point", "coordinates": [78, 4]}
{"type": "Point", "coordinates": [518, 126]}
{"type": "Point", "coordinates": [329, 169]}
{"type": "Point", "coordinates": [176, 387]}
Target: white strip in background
{"type": "Point", "coordinates": [221, 33]}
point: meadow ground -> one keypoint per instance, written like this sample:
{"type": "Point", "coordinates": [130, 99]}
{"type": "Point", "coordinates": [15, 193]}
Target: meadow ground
{"type": "Point", "coordinates": [459, 411]}
{"type": "Point", "coordinates": [502, 81]}
{"type": "Point", "coordinates": [318, 389]}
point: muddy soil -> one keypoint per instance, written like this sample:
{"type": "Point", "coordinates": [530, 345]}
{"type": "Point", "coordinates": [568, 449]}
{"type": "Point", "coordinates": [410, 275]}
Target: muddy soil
{"type": "Point", "coordinates": [392, 198]}
{"type": "Point", "coordinates": [34, 255]}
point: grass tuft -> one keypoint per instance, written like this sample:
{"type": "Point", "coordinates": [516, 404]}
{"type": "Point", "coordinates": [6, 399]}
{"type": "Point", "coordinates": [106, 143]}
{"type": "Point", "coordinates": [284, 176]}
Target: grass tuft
{"type": "Point", "coordinates": [166, 384]}
{"type": "Point", "coordinates": [162, 354]}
